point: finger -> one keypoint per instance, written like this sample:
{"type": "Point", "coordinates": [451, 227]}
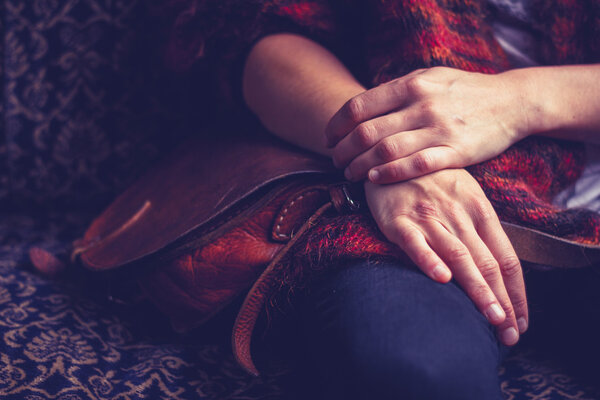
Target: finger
{"type": "Point", "coordinates": [418, 163]}
{"type": "Point", "coordinates": [493, 235]}
{"type": "Point", "coordinates": [389, 149]}
{"type": "Point", "coordinates": [367, 134]}
{"type": "Point", "coordinates": [411, 240]}
{"type": "Point", "coordinates": [365, 106]}
{"type": "Point", "coordinates": [489, 268]}
{"type": "Point", "coordinates": [458, 258]}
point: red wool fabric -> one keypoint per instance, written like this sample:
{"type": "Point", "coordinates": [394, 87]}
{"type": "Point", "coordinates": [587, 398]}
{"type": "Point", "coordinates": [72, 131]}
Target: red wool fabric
{"type": "Point", "coordinates": [382, 40]}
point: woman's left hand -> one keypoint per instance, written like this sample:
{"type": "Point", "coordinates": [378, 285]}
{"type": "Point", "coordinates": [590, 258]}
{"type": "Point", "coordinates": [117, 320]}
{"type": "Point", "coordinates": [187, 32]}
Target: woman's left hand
{"type": "Point", "coordinates": [447, 226]}
{"type": "Point", "coordinates": [428, 120]}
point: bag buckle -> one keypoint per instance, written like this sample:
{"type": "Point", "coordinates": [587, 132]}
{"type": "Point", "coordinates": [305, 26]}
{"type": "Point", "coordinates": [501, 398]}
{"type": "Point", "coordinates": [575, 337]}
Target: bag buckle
{"type": "Point", "coordinates": [344, 197]}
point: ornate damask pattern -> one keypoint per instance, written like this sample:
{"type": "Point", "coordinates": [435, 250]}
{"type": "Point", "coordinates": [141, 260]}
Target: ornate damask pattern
{"type": "Point", "coordinates": [64, 340]}
{"type": "Point", "coordinates": [528, 377]}
{"type": "Point", "coordinates": [84, 107]}
{"type": "Point", "coordinates": [3, 150]}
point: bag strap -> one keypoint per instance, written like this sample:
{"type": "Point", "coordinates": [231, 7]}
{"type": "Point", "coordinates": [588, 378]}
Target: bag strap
{"type": "Point", "coordinates": [266, 283]}
{"type": "Point", "coordinates": [541, 248]}
{"type": "Point", "coordinates": [341, 198]}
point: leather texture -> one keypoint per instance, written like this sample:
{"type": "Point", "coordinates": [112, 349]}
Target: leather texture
{"type": "Point", "coordinates": [195, 185]}
{"type": "Point", "coordinates": [200, 281]}
{"type": "Point", "coordinates": [541, 248]}
{"type": "Point", "coordinates": [216, 218]}
{"type": "Point", "coordinates": [207, 223]}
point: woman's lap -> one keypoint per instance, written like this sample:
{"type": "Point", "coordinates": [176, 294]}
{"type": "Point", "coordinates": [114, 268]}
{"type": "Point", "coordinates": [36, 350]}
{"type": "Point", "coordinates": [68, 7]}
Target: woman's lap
{"type": "Point", "coordinates": [383, 330]}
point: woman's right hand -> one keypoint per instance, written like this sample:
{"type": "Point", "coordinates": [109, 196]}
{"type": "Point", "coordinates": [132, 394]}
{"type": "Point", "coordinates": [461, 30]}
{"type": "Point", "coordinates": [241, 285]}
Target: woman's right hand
{"type": "Point", "coordinates": [448, 228]}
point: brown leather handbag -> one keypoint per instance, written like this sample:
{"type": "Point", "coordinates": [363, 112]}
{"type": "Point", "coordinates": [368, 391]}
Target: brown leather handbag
{"type": "Point", "coordinates": [218, 215]}
{"type": "Point", "coordinates": [211, 221]}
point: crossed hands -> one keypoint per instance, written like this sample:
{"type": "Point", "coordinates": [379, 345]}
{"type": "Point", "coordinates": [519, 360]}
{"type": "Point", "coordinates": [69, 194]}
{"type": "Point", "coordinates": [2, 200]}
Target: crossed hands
{"type": "Point", "coordinates": [413, 133]}
{"type": "Point", "coordinates": [426, 121]}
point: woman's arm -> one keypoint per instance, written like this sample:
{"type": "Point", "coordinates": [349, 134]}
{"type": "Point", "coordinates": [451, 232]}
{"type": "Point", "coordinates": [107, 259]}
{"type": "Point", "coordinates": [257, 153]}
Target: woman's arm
{"type": "Point", "coordinates": [561, 101]}
{"type": "Point", "coordinates": [295, 86]}
{"type": "Point", "coordinates": [447, 118]}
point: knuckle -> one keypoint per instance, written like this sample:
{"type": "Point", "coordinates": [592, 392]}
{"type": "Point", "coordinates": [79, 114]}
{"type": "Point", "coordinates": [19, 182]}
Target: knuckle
{"type": "Point", "coordinates": [423, 162]}
{"type": "Point", "coordinates": [426, 209]}
{"type": "Point", "coordinates": [406, 236]}
{"type": "Point", "coordinates": [511, 267]}
{"type": "Point", "coordinates": [438, 69]}
{"type": "Point", "coordinates": [391, 173]}
{"type": "Point", "coordinates": [438, 130]}
{"type": "Point", "coordinates": [428, 108]}
{"type": "Point", "coordinates": [455, 212]}
{"type": "Point", "coordinates": [479, 292]}
{"type": "Point", "coordinates": [387, 150]}
{"type": "Point", "coordinates": [484, 210]}
{"type": "Point", "coordinates": [489, 268]}
{"type": "Point", "coordinates": [443, 128]}
{"type": "Point", "coordinates": [355, 109]}
{"type": "Point", "coordinates": [415, 85]}
{"type": "Point", "coordinates": [365, 134]}
{"type": "Point", "coordinates": [519, 304]}
{"type": "Point", "coordinates": [486, 215]}
{"type": "Point", "coordinates": [458, 253]}
{"type": "Point", "coordinates": [509, 311]}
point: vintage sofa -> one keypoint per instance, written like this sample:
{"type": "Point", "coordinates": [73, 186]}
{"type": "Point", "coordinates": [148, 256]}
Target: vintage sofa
{"type": "Point", "coordinates": [86, 106]}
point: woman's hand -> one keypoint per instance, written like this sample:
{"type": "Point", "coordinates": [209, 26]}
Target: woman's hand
{"type": "Point", "coordinates": [426, 121]}
{"type": "Point", "coordinates": [446, 225]}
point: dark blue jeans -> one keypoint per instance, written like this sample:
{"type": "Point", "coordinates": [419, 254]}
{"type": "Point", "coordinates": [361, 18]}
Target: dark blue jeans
{"type": "Point", "coordinates": [387, 331]}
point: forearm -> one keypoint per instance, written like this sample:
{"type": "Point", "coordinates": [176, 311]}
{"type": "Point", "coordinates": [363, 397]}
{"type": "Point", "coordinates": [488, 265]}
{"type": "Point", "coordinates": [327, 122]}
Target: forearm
{"type": "Point", "coordinates": [561, 101]}
{"type": "Point", "coordinates": [295, 86]}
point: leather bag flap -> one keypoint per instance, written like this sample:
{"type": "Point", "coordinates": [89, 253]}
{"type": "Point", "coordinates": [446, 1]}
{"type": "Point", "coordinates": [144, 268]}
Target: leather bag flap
{"type": "Point", "coordinates": [195, 184]}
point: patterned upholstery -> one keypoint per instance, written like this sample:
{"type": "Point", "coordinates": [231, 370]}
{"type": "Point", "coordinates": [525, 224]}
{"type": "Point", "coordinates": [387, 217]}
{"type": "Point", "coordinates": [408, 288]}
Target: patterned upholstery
{"type": "Point", "coordinates": [84, 105]}
{"type": "Point", "coordinates": [85, 108]}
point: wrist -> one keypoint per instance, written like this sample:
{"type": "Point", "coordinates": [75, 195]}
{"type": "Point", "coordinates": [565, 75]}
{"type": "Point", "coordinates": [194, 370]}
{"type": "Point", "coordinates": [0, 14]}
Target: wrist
{"type": "Point", "coordinates": [527, 104]}
{"type": "Point", "coordinates": [556, 101]}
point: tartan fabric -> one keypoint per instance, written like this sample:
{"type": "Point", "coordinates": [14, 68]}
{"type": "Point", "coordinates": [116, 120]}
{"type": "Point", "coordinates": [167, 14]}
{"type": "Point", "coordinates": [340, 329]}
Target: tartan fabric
{"type": "Point", "coordinates": [383, 40]}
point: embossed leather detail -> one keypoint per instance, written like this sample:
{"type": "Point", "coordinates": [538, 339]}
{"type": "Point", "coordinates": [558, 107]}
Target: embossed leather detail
{"type": "Point", "coordinates": [296, 211]}
{"type": "Point", "coordinates": [202, 280]}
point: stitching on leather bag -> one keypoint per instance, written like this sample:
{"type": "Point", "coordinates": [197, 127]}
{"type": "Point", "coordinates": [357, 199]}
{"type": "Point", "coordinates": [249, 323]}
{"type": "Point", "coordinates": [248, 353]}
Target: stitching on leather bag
{"type": "Point", "coordinates": [199, 238]}
{"type": "Point", "coordinates": [85, 245]}
{"type": "Point", "coordinates": [286, 210]}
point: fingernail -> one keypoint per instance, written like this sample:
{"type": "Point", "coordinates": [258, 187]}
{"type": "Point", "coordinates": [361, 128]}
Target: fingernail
{"type": "Point", "coordinates": [374, 175]}
{"type": "Point", "coordinates": [348, 174]}
{"type": "Point", "coordinates": [440, 273]}
{"type": "Point", "coordinates": [495, 314]}
{"type": "Point", "coordinates": [509, 336]}
{"type": "Point", "coordinates": [522, 322]}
